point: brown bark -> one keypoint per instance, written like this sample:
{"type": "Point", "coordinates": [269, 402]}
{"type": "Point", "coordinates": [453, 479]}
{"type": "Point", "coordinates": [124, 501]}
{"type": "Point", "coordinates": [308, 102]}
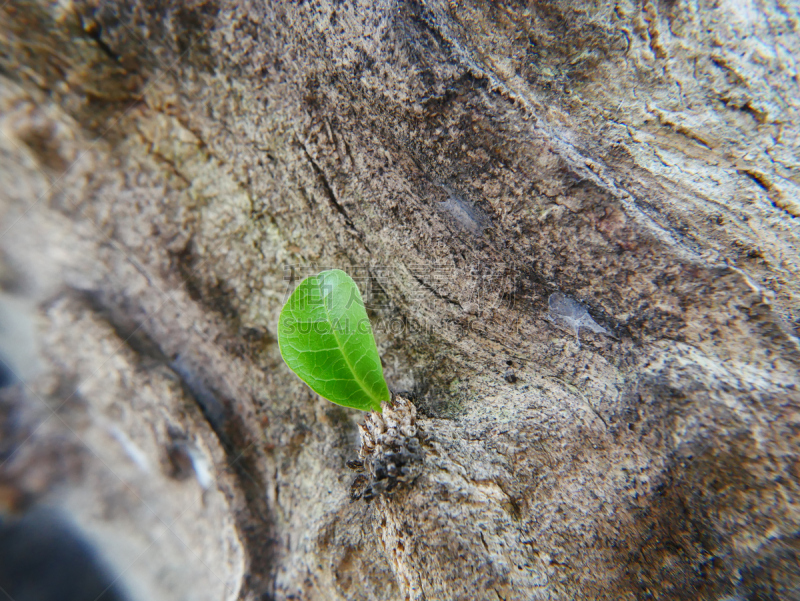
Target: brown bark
{"type": "Point", "coordinates": [171, 169]}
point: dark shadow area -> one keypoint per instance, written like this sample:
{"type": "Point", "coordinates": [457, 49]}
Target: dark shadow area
{"type": "Point", "coordinates": [43, 558]}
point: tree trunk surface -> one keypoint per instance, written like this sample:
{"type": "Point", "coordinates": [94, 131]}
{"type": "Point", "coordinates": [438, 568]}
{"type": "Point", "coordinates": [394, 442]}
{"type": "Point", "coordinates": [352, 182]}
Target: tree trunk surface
{"type": "Point", "coordinates": [171, 170]}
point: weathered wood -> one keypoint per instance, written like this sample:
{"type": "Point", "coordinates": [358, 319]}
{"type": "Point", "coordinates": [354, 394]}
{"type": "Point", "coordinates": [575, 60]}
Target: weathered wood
{"type": "Point", "coordinates": [170, 170]}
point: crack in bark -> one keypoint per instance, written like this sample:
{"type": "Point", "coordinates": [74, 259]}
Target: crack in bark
{"type": "Point", "coordinates": [332, 198]}
{"type": "Point", "coordinates": [763, 182]}
{"type": "Point", "coordinates": [437, 294]}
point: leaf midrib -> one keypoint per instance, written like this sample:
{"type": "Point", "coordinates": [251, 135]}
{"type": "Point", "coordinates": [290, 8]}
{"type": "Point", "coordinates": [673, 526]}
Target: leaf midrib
{"type": "Point", "coordinates": [341, 348]}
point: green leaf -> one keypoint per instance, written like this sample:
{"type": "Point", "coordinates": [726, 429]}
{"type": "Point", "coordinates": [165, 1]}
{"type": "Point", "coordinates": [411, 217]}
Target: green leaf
{"type": "Point", "coordinates": [326, 339]}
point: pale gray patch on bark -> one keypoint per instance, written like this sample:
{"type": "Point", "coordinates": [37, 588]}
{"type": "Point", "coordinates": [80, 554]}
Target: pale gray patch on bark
{"type": "Point", "coordinates": [569, 313]}
{"type": "Point", "coordinates": [466, 216]}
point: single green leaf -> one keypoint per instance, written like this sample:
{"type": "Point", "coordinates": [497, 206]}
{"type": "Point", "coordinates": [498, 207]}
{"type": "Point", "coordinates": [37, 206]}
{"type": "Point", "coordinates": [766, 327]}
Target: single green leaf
{"type": "Point", "coordinates": [326, 339]}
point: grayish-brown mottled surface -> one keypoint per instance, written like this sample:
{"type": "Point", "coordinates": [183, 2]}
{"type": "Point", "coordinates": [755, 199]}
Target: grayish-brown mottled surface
{"type": "Point", "coordinates": [169, 169]}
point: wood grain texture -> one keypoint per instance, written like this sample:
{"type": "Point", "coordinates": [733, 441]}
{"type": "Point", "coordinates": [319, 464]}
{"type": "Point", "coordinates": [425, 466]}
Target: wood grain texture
{"type": "Point", "coordinates": [172, 169]}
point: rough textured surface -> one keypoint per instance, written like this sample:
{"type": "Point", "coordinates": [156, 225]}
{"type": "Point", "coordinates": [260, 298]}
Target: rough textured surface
{"type": "Point", "coordinates": [170, 170]}
{"type": "Point", "coordinates": [390, 450]}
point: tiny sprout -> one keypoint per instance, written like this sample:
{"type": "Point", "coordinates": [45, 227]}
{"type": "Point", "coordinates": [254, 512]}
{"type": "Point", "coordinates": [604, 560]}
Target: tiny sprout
{"type": "Point", "coordinates": [326, 339]}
